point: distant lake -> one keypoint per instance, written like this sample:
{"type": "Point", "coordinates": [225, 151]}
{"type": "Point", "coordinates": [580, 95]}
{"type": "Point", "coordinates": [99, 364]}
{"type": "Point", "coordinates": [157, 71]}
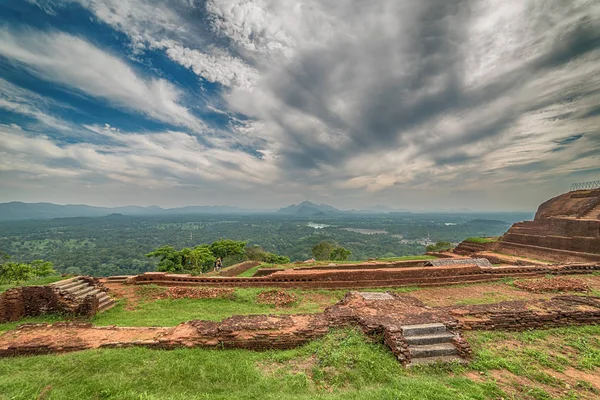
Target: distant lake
{"type": "Point", "coordinates": [317, 226]}
{"type": "Point", "coordinates": [366, 231]}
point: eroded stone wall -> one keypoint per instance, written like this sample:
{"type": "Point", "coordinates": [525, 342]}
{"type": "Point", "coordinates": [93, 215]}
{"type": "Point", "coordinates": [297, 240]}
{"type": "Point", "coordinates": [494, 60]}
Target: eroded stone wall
{"type": "Point", "coordinates": [28, 301]}
{"type": "Point", "coordinates": [351, 279]}
{"type": "Point", "coordinates": [237, 269]}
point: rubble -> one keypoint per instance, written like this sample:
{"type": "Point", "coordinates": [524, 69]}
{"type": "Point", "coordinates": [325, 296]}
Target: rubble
{"type": "Point", "coordinates": [278, 298]}
{"type": "Point", "coordinates": [198, 293]}
{"type": "Point", "coordinates": [556, 284]}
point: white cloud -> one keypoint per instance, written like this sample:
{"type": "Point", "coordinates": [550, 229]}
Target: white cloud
{"type": "Point", "coordinates": [78, 64]}
{"type": "Point", "coordinates": [22, 101]}
{"type": "Point", "coordinates": [218, 68]}
{"type": "Point", "coordinates": [161, 159]}
{"type": "Point", "coordinates": [374, 96]}
{"type": "Point", "coordinates": [158, 26]}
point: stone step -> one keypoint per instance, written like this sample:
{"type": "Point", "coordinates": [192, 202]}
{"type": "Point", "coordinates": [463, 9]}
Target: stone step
{"type": "Point", "coordinates": [444, 337]}
{"type": "Point", "coordinates": [67, 280]}
{"type": "Point", "coordinates": [84, 291]}
{"type": "Point", "coordinates": [75, 287]}
{"type": "Point", "coordinates": [67, 283]}
{"type": "Point", "coordinates": [105, 304]}
{"type": "Point", "coordinates": [423, 329]}
{"type": "Point", "coordinates": [432, 350]}
{"type": "Point", "coordinates": [435, 360]}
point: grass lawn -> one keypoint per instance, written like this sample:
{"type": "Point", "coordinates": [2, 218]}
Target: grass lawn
{"type": "Point", "coordinates": [561, 363]}
{"type": "Point", "coordinates": [167, 312]}
{"type": "Point", "coordinates": [342, 365]}
{"type": "Point", "coordinates": [533, 365]}
{"type": "Point", "coordinates": [481, 240]}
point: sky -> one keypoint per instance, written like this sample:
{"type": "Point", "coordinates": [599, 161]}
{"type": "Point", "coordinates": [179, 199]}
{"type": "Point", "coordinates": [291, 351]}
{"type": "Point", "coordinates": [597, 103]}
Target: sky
{"type": "Point", "coordinates": [473, 104]}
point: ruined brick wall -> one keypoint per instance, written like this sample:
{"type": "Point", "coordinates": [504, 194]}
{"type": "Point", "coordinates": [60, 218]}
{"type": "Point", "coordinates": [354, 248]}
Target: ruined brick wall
{"type": "Point", "coordinates": [576, 243]}
{"type": "Point", "coordinates": [515, 316]}
{"type": "Point", "coordinates": [463, 347]}
{"type": "Point", "coordinates": [465, 248]}
{"type": "Point", "coordinates": [350, 279]}
{"type": "Point", "coordinates": [545, 253]}
{"type": "Point", "coordinates": [237, 269]}
{"type": "Point", "coordinates": [573, 204]}
{"type": "Point", "coordinates": [398, 345]}
{"type": "Point", "coordinates": [28, 301]}
{"type": "Point", "coordinates": [12, 307]}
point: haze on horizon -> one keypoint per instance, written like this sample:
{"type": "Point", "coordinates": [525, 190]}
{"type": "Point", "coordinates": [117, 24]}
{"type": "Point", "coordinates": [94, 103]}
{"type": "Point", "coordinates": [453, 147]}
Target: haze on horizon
{"type": "Point", "coordinates": [436, 104]}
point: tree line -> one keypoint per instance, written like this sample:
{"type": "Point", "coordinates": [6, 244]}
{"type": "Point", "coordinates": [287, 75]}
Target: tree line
{"type": "Point", "coordinates": [201, 258]}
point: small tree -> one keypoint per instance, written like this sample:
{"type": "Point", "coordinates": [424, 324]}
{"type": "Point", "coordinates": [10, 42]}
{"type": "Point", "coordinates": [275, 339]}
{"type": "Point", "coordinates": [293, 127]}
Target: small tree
{"type": "Point", "coordinates": [439, 246]}
{"type": "Point", "coordinates": [322, 251]}
{"type": "Point", "coordinates": [197, 260]}
{"type": "Point", "coordinates": [227, 247]}
{"type": "Point", "coordinates": [4, 257]}
{"type": "Point", "coordinates": [41, 268]}
{"type": "Point", "coordinates": [340, 254]}
{"type": "Point", "coordinates": [14, 272]}
{"type": "Point", "coordinates": [169, 259]}
{"type": "Point", "coordinates": [256, 253]}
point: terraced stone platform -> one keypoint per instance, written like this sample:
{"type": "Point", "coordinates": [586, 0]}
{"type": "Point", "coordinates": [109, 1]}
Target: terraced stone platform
{"type": "Point", "coordinates": [414, 332]}
{"type": "Point", "coordinates": [382, 277]}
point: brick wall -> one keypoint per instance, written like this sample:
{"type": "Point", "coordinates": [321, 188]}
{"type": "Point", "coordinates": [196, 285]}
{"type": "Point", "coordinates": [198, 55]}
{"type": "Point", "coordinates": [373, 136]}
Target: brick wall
{"type": "Point", "coordinates": [28, 301]}
{"type": "Point", "coordinates": [237, 269]}
{"type": "Point", "coordinates": [514, 316]}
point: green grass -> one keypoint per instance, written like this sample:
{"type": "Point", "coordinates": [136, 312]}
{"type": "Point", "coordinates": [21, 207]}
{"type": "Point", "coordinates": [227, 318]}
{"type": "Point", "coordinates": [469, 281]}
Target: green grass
{"type": "Point", "coordinates": [167, 312]}
{"type": "Point", "coordinates": [342, 365]}
{"type": "Point", "coordinates": [530, 354]}
{"type": "Point", "coordinates": [250, 272]}
{"type": "Point", "coordinates": [33, 282]}
{"type": "Point", "coordinates": [481, 240]}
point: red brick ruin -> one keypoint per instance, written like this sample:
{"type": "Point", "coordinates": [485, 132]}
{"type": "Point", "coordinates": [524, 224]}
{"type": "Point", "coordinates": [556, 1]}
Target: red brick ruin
{"type": "Point", "coordinates": [29, 301]}
{"type": "Point", "coordinates": [383, 316]}
{"type": "Point", "coordinates": [566, 230]}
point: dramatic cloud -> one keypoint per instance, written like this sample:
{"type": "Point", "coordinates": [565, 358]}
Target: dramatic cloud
{"type": "Point", "coordinates": [75, 63]}
{"type": "Point", "coordinates": [164, 159]}
{"type": "Point", "coordinates": [354, 102]}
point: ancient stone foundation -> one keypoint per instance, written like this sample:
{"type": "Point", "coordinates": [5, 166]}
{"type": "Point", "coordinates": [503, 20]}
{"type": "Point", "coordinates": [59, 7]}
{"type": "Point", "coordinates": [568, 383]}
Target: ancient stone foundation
{"type": "Point", "coordinates": [390, 317]}
{"type": "Point", "coordinates": [28, 301]}
{"type": "Point", "coordinates": [520, 315]}
{"type": "Point", "coordinates": [565, 229]}
{"type": "Point", "coordinates": [338, 278]}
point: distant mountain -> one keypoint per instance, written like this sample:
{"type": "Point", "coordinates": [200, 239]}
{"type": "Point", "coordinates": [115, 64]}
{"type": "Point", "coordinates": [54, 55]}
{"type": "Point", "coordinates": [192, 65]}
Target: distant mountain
{"type": "Point", "coordinates": [17, 210]}
{"type": "Point", "coordinates": [307, 208]}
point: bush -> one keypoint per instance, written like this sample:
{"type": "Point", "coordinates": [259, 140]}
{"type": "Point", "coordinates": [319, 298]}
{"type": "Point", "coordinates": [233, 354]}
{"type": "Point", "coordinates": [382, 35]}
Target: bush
{"type": "Point", "coordinates": [327, 251]}
{"type": "Point", "coordinates": [256, 253]}
{"type": "Point", "coordinates": [481, 240]}
{"type": "Point", "coordinates": [439, 246]}
{"type": "Point", "coordinates": [15, 272]}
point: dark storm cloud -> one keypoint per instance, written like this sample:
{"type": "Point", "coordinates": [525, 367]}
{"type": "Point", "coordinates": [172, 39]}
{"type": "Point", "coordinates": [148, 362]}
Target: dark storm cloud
{"type": "Point", "coordinates": [430, 87]}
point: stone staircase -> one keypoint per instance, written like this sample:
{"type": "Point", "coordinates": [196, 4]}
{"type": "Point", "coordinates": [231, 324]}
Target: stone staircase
{"type": "Point", "coordinates": [118, 278]}
{"type": "Point", "coordinates": [594, 213]}
{"type": "Point", "coordinates": [79, 288]}
{"type": "Point", "coordinates": [430, 343]}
